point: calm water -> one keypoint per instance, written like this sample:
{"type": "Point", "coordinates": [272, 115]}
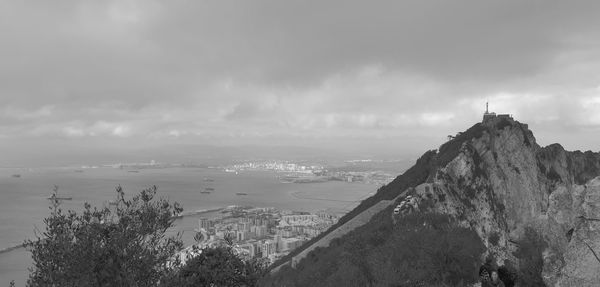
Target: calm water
{"type": "Point", "coordinates": [24, 204]}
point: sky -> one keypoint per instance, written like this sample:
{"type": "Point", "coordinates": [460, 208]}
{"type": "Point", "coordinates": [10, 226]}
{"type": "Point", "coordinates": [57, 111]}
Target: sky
{"type": "Point", "coordinates": [101, 81]}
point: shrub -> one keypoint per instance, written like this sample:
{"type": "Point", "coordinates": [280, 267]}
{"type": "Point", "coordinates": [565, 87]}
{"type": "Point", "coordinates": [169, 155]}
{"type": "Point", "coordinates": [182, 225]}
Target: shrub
{"type": "Point", "coordinates": [508, 274]}
{"type": "Point", "coordinates": [126, 246]}
{"type": "Point", "coordinates": [531, 262]}
{"type": "Point", "coordinates": [104, 247]}
{"type": "Point", "coordinates": [502, 124]}
{"type": "Point", "coordinates": [218, 266]}
{"type": "Point", "coordinates": [494, 238]}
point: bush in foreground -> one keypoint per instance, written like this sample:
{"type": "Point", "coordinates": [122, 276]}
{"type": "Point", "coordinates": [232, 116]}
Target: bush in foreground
{"type": "Point", "coordinates": [126, 245]}
{"type": "Point", "coordinates": [219, 266]}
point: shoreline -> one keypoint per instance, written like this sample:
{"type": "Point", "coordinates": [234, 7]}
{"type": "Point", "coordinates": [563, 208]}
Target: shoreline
{"type": "Point", "coordinates": [297, 194]}
{"type": "Point", "coordinates": [198, 212]}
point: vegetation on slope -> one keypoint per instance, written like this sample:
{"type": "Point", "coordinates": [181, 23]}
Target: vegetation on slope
{"type": "Point", "coordinates": [423, 169]}
{"type": "Point", "coordinates": [529, 253]}
{"type": "Point", "coordinates": [421, 248]}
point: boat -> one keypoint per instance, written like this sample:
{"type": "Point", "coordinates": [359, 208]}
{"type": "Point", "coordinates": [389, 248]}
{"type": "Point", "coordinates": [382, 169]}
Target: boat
{"type": "Point", "coordinates": [241, 193]}
{"type": "Point", "coordinates": [54, 197]}
{"type": "Point", "coordinates": [16, 175]}
{"type": "Point", "coordinates": [134, 171]}
{"type": "Point", "coordinates": [209, 189]}
{"type": "Point", "coordinates": [205, 192]}
{"type": "Point", "coordinates": [209, 180]}
{"type": "Point", "coordinates": [288, 179]}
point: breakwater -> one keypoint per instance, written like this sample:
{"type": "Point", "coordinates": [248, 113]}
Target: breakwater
{"type": "Point", "coordinates": [9, 249]}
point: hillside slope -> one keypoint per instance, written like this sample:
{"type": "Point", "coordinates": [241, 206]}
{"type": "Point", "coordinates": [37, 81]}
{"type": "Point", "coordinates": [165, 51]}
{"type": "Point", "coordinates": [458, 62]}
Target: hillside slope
{"type": "Point", "coordinates": [492, 180]}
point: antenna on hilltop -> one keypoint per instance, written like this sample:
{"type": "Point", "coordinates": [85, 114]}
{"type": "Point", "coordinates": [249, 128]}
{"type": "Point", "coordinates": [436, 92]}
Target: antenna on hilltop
{"type": "Point", "coordinates": [486, 108]}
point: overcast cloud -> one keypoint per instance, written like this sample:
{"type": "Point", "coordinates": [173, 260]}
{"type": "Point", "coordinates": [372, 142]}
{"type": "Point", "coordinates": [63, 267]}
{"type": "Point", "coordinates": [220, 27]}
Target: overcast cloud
{"type": "Point", "coordinates": [360, 75]}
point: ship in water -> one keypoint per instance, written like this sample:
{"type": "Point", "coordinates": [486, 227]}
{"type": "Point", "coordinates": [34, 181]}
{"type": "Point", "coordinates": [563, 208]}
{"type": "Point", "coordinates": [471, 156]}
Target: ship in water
{"type": "Point", "coordinates": [241, 193]}
{"type": "Point", "coordinates": [207, 190]}
{"type": "Point", "coordinates": [16, 175]}
{"type": "Point", "coordinates": [54, 197]}
{"type": "Point", "coordinates": [57, 199]}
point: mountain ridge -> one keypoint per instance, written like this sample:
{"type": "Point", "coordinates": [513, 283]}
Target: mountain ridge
{"type": "Point", "coordinates": [496, 180]}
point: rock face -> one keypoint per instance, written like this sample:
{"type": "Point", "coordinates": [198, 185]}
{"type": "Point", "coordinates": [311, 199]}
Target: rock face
{"type": "Point", "coordinates": [580, 255]}
{"type": "Point", "coordinates": [497, 180]}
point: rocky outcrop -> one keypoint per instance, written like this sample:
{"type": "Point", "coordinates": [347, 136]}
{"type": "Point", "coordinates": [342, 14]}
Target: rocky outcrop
{"type": "Point", "coordinates": [579, 208]}
{"type": "Point", "coordinates": [497, 180]}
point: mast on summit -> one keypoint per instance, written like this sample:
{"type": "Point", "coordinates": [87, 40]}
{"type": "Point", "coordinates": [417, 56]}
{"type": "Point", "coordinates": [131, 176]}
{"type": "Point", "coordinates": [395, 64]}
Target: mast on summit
{"type": "Point", "coordinates": [487, 115]}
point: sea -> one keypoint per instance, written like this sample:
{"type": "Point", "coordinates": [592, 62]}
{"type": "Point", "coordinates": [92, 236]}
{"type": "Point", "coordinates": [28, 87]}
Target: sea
{"type": "Point", "coordinates": [24, 200]}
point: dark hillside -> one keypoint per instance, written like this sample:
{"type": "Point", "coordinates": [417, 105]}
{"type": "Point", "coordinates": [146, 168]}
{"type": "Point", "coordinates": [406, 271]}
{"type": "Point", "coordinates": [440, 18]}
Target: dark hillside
{"type": "Point", "coordinates": [408, 253]}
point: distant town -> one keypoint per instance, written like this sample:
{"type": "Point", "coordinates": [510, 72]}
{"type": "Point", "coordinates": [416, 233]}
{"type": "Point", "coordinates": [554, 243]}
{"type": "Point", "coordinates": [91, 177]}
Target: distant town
{"type": "Point", "coordinates": [290, 172]}
{"type": "Point", "coordinates": [257, 232]}
{"type": "Point", "coordinates": [287, 171]}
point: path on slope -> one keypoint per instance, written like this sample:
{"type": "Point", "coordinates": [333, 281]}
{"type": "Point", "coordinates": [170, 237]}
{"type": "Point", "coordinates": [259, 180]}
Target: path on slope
{"type": "Point", "coordinates": [357, 221]}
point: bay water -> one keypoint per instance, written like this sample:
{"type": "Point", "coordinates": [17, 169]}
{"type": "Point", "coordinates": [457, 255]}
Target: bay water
{"type": "Point", "coordinates": [24, 200]}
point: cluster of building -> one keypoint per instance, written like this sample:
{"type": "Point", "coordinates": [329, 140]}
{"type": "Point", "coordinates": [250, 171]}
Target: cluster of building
{"type": "Point", "coordinates": [280, 166]}
{"type": "Point", "coordinates": [264, 232]}
{"type": "Point", "coordinates": [291, 172]}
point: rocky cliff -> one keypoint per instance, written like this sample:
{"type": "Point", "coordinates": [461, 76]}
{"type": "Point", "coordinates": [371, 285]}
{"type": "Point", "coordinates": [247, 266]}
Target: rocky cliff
{"type": "Point", "coordinates": [493, 180]}
{"type": "Point", "coordinates": [497, 180]}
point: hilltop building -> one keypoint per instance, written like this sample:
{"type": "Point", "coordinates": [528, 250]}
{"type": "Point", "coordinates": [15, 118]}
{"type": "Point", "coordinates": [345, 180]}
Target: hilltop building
{"type": "Point", "coordinates": [491, 118]}
{"type": "Point", "coordinates": [487, 116]}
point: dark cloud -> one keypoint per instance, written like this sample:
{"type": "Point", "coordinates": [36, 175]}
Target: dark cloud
{"type": "Point", "coordinates": [294, 41]}
{"type": "Point", "coordinates": [242, 71]}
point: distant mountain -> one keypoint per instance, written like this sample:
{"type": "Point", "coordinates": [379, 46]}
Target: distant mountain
{"type": "Point", "coordinates": [535, 212]}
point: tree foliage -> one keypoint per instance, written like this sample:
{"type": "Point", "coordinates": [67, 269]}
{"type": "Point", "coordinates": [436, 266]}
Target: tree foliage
{"type": "Point", "coordinates": [531, 261]}
{"type": "Point", "coordinates": [219, 266]}
{"type": "Point", "coordinates": [125, 244]}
